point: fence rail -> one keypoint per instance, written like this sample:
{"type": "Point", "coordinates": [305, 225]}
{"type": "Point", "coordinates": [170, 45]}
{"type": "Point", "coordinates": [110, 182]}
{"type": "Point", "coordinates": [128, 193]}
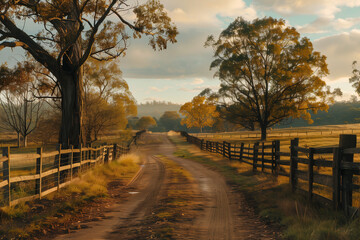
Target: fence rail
{"type": "Point", "coordinates": [44, 173]}
{"type": "Point", "coordinates": [277, 133]}
{"type": "Point", "coordinates": [300, 165]}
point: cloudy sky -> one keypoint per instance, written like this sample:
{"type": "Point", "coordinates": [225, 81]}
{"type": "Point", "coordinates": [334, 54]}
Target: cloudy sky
{"type": "Point", "coordinates": [182, 71]}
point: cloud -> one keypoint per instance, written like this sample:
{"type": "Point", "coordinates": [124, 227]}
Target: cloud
{"type": "Point", "coordinates": [199, 88]}
{"type": "Point", "coordinates": [320, 25]}
{"type": "Point", "coordinates": [341, 50]}
{"type": "Point", "coordinates": [327, 24]}
{"type": "Point", "coordinates": [202, 12]}
{"type": "Point", "coordinates": [153, 99]}
{"type": "Point", "coordinates": [156, 89]}
{"type": "Point", "coordinates": [347, 23]}
{"type": "Point", "coordinates": [184, 89]}
{"type": "Point", "coordinates": [321, 8]}
{"type": "Point", "coordinates": [197, 81]}
{"type": "Point", "coordinates": [185, 59]}
{"type": "Point", "coordinates": [188, 58]}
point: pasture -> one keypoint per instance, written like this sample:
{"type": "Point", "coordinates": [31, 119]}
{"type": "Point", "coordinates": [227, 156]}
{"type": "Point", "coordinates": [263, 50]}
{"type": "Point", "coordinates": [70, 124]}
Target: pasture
{"type": "Point", "coordinates": [322, 139]}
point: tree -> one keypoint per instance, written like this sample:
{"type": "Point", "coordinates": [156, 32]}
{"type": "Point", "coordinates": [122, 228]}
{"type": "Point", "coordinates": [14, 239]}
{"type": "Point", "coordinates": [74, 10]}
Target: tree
{"type": "Point", "coordinates": [198, 113]}
{"type": "Point", "coordinates": [170, 120]}
{"type": "Point", "coordinates": [71, 31]}
{"type": "Point", "coordinates": [268, 74]}
{"type": "Point", "coordinates": [355, 78]}
{"type": "Point", "coordinates": [21, 110]}
{"type": "Point", "coordinates": [107, 100]}
{"type": "Point", "coordinates": [145, 122]}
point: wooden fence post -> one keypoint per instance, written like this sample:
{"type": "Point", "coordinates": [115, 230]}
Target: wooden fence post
{"type": "Point", "coordinates": [241, 151]}
{"type": "Point", "coordinates": [6, 174]}
{"type": "Point", "coordinates": [107, 155]}
{"type": "Point", "coordinates": [38, 182]}
{"type": "Point", "coordinates": [229, 147]}
{"type": "Point", "coordinates": [80, 157]}
{"type": "Point", "coordinates": [224, 152]}
{"type": "Point", "coordinates": [114, 151]}
{"type": "Point", "coordinates": [71, 162]}
{"type": "Point", "coordinates": [276, 155]}
{"type": "Point", "coordinates": [311, 174]}
{"type": "Point", "coordinates": [262, 156]}
{"type": "Point", "coordinates": [255, 155]}
{"type": "Point", "coordinates": [59, 161]}
{"type": "Point", "coordinates": [201, 144]}
{"type": "Point", "coordinates": [337, 156]}
{"type": "Point", "coordinates": [293, 163]}
{"type": "Point", "coordinates": [347, 141]}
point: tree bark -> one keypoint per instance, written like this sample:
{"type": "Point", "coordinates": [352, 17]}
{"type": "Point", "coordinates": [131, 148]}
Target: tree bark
{"type": "Point", "coordinates": [71, 107]}
{"type": "Point", "coordinates": [263, 132]}
{"type": "Point", "coordinates": [18, 139]}
{"type": "Point", "coordinates": [25, 140]}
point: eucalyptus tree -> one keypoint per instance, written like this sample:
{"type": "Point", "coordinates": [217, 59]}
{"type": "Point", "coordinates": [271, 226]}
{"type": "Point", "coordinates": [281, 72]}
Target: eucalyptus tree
{"type": "Point", "coordinates": [62, 34]}
{"type": "Point", "coordinates": [268, 74]}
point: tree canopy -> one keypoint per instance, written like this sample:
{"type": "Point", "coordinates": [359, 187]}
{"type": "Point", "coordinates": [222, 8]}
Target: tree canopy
{"type": "Point", "coordinates": [145, 122]}
{"type": "Point", "coordinates": [170, 120]}
{"type": "Point", "coordinates": [268, 74]}
{"type": "Point", "coordinates": [62, 35]}
{"type": "Point", "coordinates": [21, 111]}
{"type": "Point", "coordinates": [107, 100]}
{"type": "Point", "coordinates": [198, 113]}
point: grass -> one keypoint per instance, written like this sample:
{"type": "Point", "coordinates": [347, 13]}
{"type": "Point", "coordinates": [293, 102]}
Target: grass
{"type": "Point", "coordinates": [317, 136]}
{"type": "Point", "coordinates": [274, 201]}
{"type": "Point", "coordinates": [26, 220]}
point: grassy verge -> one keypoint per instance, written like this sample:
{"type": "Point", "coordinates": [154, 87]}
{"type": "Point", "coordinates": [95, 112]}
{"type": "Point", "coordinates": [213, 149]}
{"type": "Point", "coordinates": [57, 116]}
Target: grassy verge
{"type": "Point", "coordinates": [274, 202]}
{"type": "Point", "coordinates": [59, 210]}
{"type": "Point", "coordinates": [174, 212]}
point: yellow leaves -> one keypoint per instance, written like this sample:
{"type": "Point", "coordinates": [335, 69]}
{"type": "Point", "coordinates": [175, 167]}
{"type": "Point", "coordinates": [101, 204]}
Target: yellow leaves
{"type": "Point", "coordinates": [145, 122]}
{"type": "Point", "coordinates": [268, 73]}
{"type": "Point", "coordinates": [199, 113]}
{"type": "Point", "coordinates": [153, 21]}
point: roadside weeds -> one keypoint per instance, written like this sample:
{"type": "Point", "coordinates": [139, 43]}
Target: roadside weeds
{"type": "Point", "coordinates": [273, 201]}
{"type": "Point", "coordinates": [61, 212]}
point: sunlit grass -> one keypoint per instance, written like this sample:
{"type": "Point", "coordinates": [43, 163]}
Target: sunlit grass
{"type": "Point", "coordinates": [274, 200]}
{"type": "Point", "coordinates": [88, 188]}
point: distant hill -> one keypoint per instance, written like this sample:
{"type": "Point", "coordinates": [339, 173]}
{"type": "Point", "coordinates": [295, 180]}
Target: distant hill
{"type": "Point", "coordinates": [156, 108]}
{"type": "Point", "coordinates": [338, 113]}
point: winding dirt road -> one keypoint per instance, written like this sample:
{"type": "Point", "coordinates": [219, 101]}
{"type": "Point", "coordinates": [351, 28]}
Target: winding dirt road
{"type": "Point", "coordinates": [223, 214]}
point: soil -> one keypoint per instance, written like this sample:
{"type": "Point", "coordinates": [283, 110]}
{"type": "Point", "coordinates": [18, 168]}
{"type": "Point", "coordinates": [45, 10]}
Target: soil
{"type": "Point", "coordinates": [218, 211]}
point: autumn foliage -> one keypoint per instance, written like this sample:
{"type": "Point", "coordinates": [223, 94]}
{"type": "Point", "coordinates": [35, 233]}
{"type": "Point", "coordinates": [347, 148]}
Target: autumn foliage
{"type": "Point", "coordinates": [198, 113]}
{"type": "Point", "coordinates": [268, 74]}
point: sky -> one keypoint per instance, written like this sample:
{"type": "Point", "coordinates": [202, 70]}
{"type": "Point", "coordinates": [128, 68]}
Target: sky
{"type": "Point", "coordinates": [180, 72]}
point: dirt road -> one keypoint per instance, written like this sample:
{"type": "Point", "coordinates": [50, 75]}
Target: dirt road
{"type": "Point", "coordinates": [223, 214]}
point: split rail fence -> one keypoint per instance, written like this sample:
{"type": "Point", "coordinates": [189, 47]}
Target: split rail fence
{"type": "Point", "coordinates": [29, 176]}
{"type": "Point", "coordinates": [329, 175]}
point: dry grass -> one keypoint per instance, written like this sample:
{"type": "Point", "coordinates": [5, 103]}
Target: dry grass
{"type": "Point", "coordinates": [20, 222]}
{"type": "Point", "coordinates": [274, 201]}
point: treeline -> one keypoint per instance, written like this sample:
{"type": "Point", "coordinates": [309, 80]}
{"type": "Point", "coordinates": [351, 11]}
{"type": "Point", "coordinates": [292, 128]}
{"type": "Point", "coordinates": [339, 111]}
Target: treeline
{"type": "Point", "coordinates": [338, 113]}
{"type": "Point", "coordinates": [345, 112]}
{"type": "Point", "coordinates": [156, 108]}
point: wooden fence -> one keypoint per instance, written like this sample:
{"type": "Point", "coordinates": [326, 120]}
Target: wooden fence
{"type": "Point", "coordinates": [29, 176]}
{"type": "Point", "coordinates": [308, 169]}
{"type": "Point", "coordinates": [276, 133]}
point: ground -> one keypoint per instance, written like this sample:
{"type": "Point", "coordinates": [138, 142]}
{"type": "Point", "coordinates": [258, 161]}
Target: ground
{"type": "Point", "coordinates": [170, 198]}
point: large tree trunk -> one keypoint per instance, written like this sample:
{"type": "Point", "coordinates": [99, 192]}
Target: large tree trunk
{"type": "Point", "coordinates": [263, 132]}
{"type": "Point", "coordinates": [71, 106]}
{"type": "Point", "coordinates": [71, 83]}
{"type": "Point", "coordinates": [25, 140]}
{"type": "Point", "coordinates": [18, 139]}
